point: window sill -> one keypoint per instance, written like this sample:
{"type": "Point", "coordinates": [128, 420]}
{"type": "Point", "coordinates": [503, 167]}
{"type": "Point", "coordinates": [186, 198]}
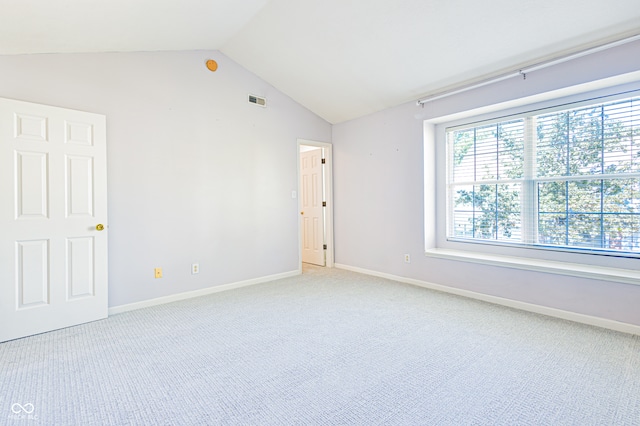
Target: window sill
{"type": "Point", "coordinates": [626, 276]}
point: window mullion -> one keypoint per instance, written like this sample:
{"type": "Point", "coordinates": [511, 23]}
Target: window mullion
{"type": "Point", "coordinates": [528, 198]}
{"type": "Point", "coordinates": [475, 178]}
{"type": "Point", "coordinates": [602, 170]}
{"type": "Point", "coordinates": [450, 174]}
{"type": "Point", "coordinates": [497, 215]}
{"type": "Point", "coordinates": [567, 173]}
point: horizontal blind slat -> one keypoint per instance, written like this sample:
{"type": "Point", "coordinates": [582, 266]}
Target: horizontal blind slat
{"type": "Point", "coordinates": [586, 175]}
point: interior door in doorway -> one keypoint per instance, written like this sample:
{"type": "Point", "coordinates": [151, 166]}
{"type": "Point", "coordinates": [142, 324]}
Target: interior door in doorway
{"type": "Point", "coordinates": [53, 250]}
{"type": "Point", "coordinates": [312, 211]}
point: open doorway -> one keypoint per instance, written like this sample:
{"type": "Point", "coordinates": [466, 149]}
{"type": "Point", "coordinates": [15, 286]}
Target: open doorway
{"type": "Point", "coordinates": [315, 203]}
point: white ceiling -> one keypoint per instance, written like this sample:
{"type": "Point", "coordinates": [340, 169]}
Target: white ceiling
{"type": "Point", "coordinates": [342, 59]}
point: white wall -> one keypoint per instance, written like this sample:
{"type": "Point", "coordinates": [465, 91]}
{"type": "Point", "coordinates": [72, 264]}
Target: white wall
{"type": "Point", "coordinates": [379, 193]}
{"type": "Point", "coordinates": [195, 172]}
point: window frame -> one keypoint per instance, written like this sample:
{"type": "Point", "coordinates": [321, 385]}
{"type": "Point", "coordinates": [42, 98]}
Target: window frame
{"type": "Point", "coordinates": [529, 182]}
{"type": "Point", "coordinates": [560, 260]}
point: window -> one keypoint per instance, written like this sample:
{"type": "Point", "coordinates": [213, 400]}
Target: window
{"type": "Point", "coordinates": [563, 178]}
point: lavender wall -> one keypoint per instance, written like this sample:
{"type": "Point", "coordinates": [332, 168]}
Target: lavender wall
{"type": "Point", "coordinates": [195, 173]}
{"type": "Point", "coordinates": [379, 197]}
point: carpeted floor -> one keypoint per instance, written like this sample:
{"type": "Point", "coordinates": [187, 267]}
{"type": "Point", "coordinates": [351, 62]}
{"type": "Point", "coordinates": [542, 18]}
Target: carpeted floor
{"type": "Point", "coordinates": [330, 347]}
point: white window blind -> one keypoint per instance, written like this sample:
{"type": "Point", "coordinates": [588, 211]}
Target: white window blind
{"type": "Point", "coordinates": [559, 178]}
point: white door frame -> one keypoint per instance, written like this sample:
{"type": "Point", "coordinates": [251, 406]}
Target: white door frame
{"type": "Point", "coordinates": [328, 184]}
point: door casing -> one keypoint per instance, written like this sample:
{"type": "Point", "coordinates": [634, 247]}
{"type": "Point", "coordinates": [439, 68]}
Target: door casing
{"type": "Point", "coordinates": [328, 210]}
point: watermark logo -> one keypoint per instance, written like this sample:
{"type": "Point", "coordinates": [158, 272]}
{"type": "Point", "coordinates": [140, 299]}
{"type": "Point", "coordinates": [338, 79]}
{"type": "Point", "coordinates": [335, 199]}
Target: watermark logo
{"type": "Point", "coordinates": [26, 408]}
{"type": "Point", "coordinates": [23, 411]}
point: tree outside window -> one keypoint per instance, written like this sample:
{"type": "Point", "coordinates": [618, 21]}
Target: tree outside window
{"type": "Point", "coordinates": [566, 178]}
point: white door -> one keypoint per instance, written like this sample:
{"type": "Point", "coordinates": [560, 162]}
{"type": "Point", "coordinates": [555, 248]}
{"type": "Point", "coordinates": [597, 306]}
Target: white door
{"type": "Point", "coordinates": [311, 207]}
{"type": "Point", "coordinates": [53, 257]}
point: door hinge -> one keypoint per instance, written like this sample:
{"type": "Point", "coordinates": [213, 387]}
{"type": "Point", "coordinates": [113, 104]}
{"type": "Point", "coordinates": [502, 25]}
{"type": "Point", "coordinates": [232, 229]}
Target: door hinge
{"type": "Point", "coordinates": [324, 204]}
{"type": "Point", "coordinates": [324, 246]}
{"type": "Point", "coordinates": [323, 161]}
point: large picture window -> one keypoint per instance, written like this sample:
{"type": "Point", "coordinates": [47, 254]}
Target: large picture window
{"type": "Point", "coordinates": [563, 178]}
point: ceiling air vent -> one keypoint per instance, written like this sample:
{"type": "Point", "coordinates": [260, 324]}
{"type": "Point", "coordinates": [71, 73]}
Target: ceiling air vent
{"type": "Point", "coordinates": [253, 99]}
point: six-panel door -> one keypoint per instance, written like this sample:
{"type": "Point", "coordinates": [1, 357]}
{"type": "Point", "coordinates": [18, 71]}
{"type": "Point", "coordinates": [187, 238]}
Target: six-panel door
{"type": "Point", "coordinates": [53, 260]}
{"type": "Point", "coordinates": [311, 204]}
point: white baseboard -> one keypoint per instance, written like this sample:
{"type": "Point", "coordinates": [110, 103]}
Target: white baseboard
{"type": "Point", "coordinates": [197, 293]}
{"type": "Point", "coordinates": [524, 306]}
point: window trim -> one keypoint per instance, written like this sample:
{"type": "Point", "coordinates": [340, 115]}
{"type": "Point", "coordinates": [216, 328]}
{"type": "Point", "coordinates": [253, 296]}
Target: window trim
{"type": "Point", "coordinates": [577, 263]}
{"type": "Point", "coordinates": [528, 181]}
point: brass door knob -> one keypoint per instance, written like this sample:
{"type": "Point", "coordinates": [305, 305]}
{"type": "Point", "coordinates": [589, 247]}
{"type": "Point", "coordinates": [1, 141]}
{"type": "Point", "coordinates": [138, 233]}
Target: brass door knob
{"type": "Point", "coordinates": [301, 212]}
{"type": "Point", "coordinates": [99, 227]}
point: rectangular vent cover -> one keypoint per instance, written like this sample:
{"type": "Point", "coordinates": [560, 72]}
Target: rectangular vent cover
{"type": "Point", "coordinates": [253, 99]}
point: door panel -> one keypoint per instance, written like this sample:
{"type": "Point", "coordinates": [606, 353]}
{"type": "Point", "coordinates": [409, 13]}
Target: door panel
{"type": "Point", "coordinates": [31, 185]}
{"type": "Point", "coordinates": [79, 133]}
{"type": "Point", "coordinates": [32, 272]}
{"type": "Point", "coordinates": [80, 282]}
{"type": "Point", "coordinates": [30, 127]}
{"type": "Point", "coordinates": [53, 261]}
{"type": "Point", "coordinates": [79, 177]}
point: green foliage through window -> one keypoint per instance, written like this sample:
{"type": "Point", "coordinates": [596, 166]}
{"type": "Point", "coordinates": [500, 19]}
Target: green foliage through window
{"type": "Point", "coordinates": [566, 178]}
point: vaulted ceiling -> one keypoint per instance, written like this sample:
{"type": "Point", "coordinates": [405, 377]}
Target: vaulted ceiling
{"type": "Point", "coordinates": [342, 59]}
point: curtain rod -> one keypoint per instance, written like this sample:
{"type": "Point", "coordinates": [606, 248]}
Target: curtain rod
{"type": "Point", "coordinates": [523, 71]}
